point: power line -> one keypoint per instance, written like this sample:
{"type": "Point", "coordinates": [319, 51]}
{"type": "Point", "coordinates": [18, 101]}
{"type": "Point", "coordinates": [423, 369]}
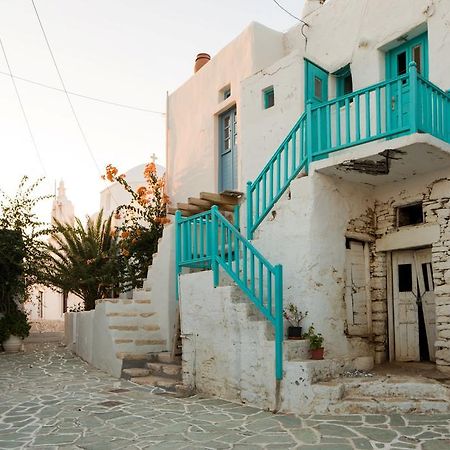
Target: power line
{"type": "Point", "coordinates": [289, 13]}
{"type": "Point", "coordinates": [88, 97]}
{"type": "Point", "coordinates": [83, 134]}
{"type": "Point", "coordinates": [33, 140]}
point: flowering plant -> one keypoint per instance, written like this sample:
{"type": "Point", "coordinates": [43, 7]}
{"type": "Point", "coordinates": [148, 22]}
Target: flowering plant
{"type": "Point", "coordinates": [140, 223]}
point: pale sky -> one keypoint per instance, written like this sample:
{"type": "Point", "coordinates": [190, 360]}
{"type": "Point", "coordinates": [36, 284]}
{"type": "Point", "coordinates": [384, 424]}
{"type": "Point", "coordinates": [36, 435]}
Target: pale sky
{"type": "Point", "coordinates": [125, 51]}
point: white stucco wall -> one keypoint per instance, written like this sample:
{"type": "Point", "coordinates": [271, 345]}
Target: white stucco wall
{"type": "Point", "coordinates": [193, 110]}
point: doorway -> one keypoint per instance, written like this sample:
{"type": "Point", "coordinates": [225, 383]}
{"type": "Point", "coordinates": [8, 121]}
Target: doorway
{"type": "Point", "coordinates": [413, 301]}
{"type": "Point", "coordinates": [397, 63]}
{"type": "Point", "coordinates": [228, 151]}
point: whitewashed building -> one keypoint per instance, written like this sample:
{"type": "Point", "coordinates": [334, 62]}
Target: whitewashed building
{"type": "Point", "coordinates": [326, 151]}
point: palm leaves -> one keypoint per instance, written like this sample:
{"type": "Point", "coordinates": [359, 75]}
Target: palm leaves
{"type": "Point", "coordinates": [85, 260]}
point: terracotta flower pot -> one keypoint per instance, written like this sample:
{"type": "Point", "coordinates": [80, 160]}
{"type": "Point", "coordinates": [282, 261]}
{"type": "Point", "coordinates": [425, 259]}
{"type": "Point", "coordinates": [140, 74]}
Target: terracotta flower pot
{"type": "Point", "coordinates": [13, 344]}
{"type": "Point", "coordinates": [317, 353]}
{"type": "Point", "coordinates": [295, 333]}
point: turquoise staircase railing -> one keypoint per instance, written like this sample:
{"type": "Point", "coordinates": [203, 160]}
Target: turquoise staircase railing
{"type": "Point", "coordinates": [404, 105]}
{"type": "Point", "coordinates": [209, 240]}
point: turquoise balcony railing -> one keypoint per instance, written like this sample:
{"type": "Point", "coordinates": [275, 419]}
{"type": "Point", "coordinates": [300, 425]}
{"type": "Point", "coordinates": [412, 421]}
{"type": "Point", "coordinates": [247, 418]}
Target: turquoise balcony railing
{"type": "Point", "coordinates": [210, 240]}
{"type": "Point", "coordinates": [404, 105]}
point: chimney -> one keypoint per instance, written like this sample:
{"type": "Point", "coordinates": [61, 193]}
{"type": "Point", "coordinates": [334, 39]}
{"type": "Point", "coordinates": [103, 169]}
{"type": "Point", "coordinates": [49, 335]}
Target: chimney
{"type": "Point", "coordinates": [201, 60]}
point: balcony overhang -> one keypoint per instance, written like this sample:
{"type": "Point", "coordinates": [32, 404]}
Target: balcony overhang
{"type": "Point", "coordinates": [386, 161]}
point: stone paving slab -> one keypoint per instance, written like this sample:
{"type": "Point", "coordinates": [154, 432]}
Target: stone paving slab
{"type": "Point", "coordinates": [51, 399]}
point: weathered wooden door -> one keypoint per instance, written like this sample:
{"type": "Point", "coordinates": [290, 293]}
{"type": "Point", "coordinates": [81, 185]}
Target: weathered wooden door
{"type": "Point", "coordinates": [414, 304]}
{"type": "Point", "coordinates": [427, 298]}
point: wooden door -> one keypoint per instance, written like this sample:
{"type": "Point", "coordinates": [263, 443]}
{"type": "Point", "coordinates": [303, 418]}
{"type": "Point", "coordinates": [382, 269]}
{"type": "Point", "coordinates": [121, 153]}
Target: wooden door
{"type": "Point", "coordinates": [316, 91]}
{"type": "Point", "coordinates": [228, 151]}
{"type": "Point", "coordinates": [427, 297]}
{"type": "Point", "coordinates": [406, 324]}
{"type": "Point", "coordinates": [397, 63]}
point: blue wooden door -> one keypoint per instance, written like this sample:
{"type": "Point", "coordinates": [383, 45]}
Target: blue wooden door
{"type": "Point", "coordinates": [397, 64]}
{"type": "Point", "coordinates": [228, 151]}
{"type": "Point", "coordinates": [316, 91]}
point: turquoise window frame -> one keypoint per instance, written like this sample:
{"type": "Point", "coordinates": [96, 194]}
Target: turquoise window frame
{"type": "Point", "coordinates": [267, 93]}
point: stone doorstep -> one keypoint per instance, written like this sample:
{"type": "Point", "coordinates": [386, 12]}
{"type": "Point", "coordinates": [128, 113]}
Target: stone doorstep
{"type": "Point", "coordinates": [134, 372]}
{"type": "Point", "coordinates": [164, 358]}
{"type": "Point", "coordinates": [168, 384]}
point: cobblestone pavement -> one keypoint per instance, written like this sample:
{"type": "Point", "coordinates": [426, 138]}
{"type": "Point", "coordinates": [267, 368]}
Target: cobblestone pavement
{"type": "Point", "coordinates": [50, 399]}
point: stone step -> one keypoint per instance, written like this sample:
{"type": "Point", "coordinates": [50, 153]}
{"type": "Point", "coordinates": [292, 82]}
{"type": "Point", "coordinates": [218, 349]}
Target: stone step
{"type": "Point", "coordinates": [166, 383]}
{"type": "Point", "coordinates": [134, 372]}
{"type": "Point", "coordinates": [164, 358]}
{"type": "Point", "coordinates": [165, 370]}
{"type": "Point", "coordinates": [383, 405]}
{"type": "Point", "coordinates": [396, 387]}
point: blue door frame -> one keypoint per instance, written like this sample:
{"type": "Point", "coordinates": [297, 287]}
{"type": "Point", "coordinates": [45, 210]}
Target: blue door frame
{"type": "Point", "coordinates": [397, 63]}
{"type": "Point", "coordinates": [228, 150]}
{"type": "Point", "coordinates": [316, 91]}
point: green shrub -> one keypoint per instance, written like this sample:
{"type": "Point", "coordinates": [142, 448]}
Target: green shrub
{"type": "Point", "coordinates": [14, 323]}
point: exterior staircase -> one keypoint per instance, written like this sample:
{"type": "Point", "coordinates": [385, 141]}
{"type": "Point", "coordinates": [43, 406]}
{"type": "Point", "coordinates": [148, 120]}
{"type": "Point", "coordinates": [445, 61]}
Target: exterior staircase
{"type": "Point", "coordinates": [158, 369]}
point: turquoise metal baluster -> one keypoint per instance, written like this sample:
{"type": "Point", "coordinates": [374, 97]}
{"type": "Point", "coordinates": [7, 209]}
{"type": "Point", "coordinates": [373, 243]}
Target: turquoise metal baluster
{"type": "Point", "coordinates": [400, 103]}
{"type": "Point", "coordinates": [347, 120]}
{"type": "Point", "coordinates": [261, 283]}
{"type": "Point", "coordinates": [249, 211]}
{"type": "Point", "coordinates": [388, 108]}
{"type": "Point", "coordinates": [252, 273]}
{"type": "Point", "coordinates": [271, 182]}
{"type": "Point", "coordinates": [279, 332]}
{"type": "Point", "coordinates": [269, 291]}
{"type": "Point", "coordinates": [286, 162]}
{"type": "Point", "coordinates": [214, 244]}
{"type": "Point", "coordinates": [264, 192]}
{"type": "Point", "coordinates": [294, 152]}
{"type": "Point", "coordinates": [367, 102]}
{"type": "Point", "coordinates": [328, 126]}
{"type": "Point", "coordinates": [278, 173]}
{"type": "Point", "coordinates": [378, 109]}
{"type": "Point", "coordinates": [309, 142]}
{"type": "Point", "coordinates": [357, 120]}
{"type": "Point", "coordinates": [413, 97]}
{"type": "Point", "coordinates": [195, 239]}
{"type": "Point", "coordinates": [338, 125]}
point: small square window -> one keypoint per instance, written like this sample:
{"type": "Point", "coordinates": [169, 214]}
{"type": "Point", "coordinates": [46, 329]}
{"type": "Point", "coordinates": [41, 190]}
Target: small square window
{"type": "Point", "coordinates": [410, 215]}
{"type": "Point", "coordinates": [318, 88]}
{"type": "Point", "coordinates": [225, 93]}
{"type": "Point", "coordinates": [269, 97]}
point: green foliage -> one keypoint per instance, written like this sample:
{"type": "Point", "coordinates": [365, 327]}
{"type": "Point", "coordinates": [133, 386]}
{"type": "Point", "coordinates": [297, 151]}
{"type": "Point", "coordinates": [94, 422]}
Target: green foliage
{"type": "Point", "coordinates": [293, 315]}
{"type": "Point", "coordinates": [12, 254]}
{"type": "Point", "coordinates": [17, 213]}
{"type": "Point", "coordinates": [315, 339]}
{"type": "Point", "coordinates": [14, 323]}
{"type": "Point", "coordinates": [84, 260]}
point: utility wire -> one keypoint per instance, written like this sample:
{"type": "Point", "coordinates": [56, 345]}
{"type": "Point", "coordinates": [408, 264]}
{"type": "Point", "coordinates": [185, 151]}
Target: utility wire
{"type": "Point", "coordinates": [83, 134]}
{"type": "Point", "coordinates": [88, 97]}
{"type": "Point", "coordinates": [33, 140]}
{"type": "Point", "coordinates": [289, 13]}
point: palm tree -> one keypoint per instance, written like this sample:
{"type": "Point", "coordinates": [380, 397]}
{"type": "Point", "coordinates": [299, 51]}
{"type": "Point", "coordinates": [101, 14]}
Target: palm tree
{"type": "Point", "coordinates": [85, 260]}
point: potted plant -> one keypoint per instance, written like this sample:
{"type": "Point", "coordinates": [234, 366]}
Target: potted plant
{"type": "Point", "coordinates": [14, 327]}
{"type": "Point", "coordinates": [315, 343]}
{"type": "Point", "coordinates": [294, 316]}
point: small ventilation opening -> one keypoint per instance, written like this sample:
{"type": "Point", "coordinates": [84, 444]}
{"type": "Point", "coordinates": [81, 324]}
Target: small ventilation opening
{"type": "Point", "coordinates": [410, 215]}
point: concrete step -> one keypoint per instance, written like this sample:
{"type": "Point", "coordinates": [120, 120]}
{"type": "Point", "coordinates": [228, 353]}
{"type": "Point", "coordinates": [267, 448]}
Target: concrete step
{"type": "Point", "coordinates": [412, 388]}
{"type": "Point", "coordinates": [165, 370]}
{"type": "Point", "coordinates": [166, 383]}
{"type": "Point", "coordinates": [134, 372]}
{"type": "Point", "coordinates": [383, 405]}
{"type": "Point", "coordinates": [44, 337]}
{"type": "Point", "coordinates": [164, 358]}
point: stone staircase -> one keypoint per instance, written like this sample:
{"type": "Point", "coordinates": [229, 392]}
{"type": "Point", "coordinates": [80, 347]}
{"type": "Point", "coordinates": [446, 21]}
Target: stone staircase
{"type": "Point", "coordinates": [133, 325]}
{"type": "Point", "coordinates": [158, 369]}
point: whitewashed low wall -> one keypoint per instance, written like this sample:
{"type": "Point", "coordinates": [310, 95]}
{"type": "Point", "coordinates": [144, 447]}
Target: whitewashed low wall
{"type": "Point", "coordinates": [87, 334]}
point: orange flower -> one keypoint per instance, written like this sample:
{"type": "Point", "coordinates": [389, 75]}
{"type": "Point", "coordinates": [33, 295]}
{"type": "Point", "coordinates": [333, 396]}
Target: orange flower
{"type": "Point", "coordinates": [112, 233]}
{"type": "Point", "coordinates": [125, 252]}
{"type": "Point", "coordinates": [117, 216]}
{"type": "Point", "coordinates": [125, 234]}
{"type": "Point", "coordinates": [142, 191]}
{"type": "Point", "coordinates": [111, 172]}
{"type": "Point", "coordinates": [149, 169]}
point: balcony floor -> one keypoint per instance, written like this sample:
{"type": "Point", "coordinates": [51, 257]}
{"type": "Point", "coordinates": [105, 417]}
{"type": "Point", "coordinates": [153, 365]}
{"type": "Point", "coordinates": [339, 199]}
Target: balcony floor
{"type": "Point", "coordinates": [387, 161]}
